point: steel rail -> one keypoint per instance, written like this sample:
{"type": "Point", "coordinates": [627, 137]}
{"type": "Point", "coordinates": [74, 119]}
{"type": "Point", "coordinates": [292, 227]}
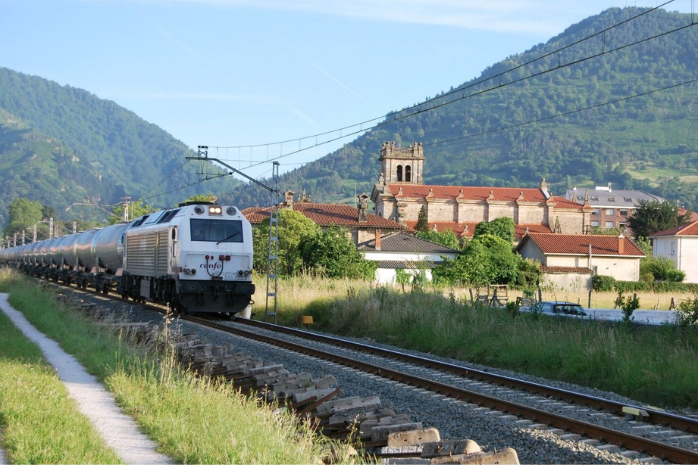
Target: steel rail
{"type": "Point", "coordinates": [654, 448]}
{"type": "Point", "coordinates": [655, 416]}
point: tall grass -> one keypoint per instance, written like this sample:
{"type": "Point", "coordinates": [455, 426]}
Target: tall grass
{"type": "Point", "coordinates": [194, 420]}
{"type": "Point", "coordinates": [656, 365]}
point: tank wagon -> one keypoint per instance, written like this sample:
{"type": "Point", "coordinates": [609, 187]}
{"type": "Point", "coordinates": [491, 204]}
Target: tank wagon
{"type": "Point", "coordinates": [195, 258]}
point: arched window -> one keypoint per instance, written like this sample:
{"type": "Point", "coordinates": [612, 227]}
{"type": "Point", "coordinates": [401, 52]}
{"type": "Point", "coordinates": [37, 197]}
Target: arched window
{"type": "Point", "coordinates": [408, 173]}
{"type": "Point", "coordinates": [399, 173]}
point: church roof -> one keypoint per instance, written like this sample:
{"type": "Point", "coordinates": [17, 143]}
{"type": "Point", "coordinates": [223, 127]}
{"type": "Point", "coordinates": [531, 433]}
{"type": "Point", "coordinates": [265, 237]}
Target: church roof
{"type": "Point", "coordinates": [467, 192]}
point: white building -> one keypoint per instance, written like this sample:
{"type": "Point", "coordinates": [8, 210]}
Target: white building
{"type": "Point", "coordinates": [680, 244]}
{"type": "Point", "coordinates": [400, 250]}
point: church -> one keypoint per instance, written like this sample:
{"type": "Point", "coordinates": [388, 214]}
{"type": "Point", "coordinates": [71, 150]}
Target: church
{"type": "Point", "coordinates": [400, 194]}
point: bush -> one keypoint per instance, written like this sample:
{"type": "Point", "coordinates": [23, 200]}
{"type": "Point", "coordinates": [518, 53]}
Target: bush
{"type": "Point", "coordinates": [602, 283]}
{"type": "Point", "coordinates": [688, 312]}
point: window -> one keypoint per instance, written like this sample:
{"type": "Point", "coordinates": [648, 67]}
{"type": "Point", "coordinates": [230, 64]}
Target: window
{"type": "Point", "coordinates": [215, 230]}
{"type": "Point", "coordinates": [610, 224]}
{"type": "Point", "coordinates": [611, 199]}
{"type": "Point", "coordinates": [610, 212]}
{"type": "Point", "coordinates": [673, 248]}
{"type": "Point", "coordinates": [594, 224]}
{"type": "Point", "coordinates": [623, 212]}
{"type": "Point", "coordinates": [595, 211]}
{"type": "Point", "coordinates": [399, 173]}
{"type": "Point", "coordinates": [408, 173]}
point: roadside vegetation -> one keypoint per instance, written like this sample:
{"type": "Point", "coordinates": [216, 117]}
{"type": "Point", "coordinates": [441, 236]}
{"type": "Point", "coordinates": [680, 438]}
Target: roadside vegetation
{"type": "Point", "coordinates": [194, 420]}
{"type": "Point", "coordinates": [653, 365]}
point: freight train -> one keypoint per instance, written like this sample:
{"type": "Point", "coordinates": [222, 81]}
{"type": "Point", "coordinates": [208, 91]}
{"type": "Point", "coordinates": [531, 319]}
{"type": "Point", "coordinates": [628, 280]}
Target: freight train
{"type": "Point", "coordinates": [196, 258]}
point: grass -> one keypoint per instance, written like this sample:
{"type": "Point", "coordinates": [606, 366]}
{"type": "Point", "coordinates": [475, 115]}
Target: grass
{"type": "Point", "coordinates": [653, 365]}
{"type": "Point", "coordinates": [40, 423]}
{"type": "Point", "coordinates": [194, 420]}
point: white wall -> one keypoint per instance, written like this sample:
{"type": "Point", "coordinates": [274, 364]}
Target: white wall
{"type": "Point", "coordinates": [683, 251]}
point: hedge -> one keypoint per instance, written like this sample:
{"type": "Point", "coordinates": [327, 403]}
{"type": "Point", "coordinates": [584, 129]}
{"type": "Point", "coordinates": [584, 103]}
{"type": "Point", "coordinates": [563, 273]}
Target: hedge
{"type": "Point", "coordinates": [607, 283]}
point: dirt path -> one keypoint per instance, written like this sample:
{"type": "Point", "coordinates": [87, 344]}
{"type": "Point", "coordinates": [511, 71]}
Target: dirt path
{"type": "Point", "coordinates": [119, 431]}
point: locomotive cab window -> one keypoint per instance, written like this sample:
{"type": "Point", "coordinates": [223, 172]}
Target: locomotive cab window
{"type": "Point", "coordinates": [203, 230]}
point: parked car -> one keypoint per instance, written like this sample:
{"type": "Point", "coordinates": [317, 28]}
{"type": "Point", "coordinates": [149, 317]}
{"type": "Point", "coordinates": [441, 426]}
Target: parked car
{"type": "Point", "coordinates": [557, 308]}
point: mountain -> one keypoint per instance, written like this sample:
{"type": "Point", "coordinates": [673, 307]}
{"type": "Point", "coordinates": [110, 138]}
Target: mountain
{"type": "Point", "coordinates": [61, 145]}
{"type": "Point", "coordinates": [503, 128]}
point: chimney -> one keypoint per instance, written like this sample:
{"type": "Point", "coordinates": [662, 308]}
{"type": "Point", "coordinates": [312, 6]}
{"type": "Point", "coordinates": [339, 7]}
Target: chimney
{"type": "Point", "coordinates": [288, 199]}
{"type": "Point", "coordinates": [621, 244]}
{"type": "Point", "coordinates": [363, 208]}
{"type": "Point", "coordinates": [378, 239]}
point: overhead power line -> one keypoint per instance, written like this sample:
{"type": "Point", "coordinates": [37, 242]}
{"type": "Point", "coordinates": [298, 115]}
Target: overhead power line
{"type": "Point", "coordinates": [358, 128]}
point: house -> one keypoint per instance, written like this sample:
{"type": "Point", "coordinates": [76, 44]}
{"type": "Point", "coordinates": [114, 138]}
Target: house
{"type": "Point", "coordinates": [610, 208]}
{"type": "Point", "coordinates": [679, 244]}
{"type": "Point", "coordinates": [401, 250]}
{"type": "Point", "coordinates": [570, 260]}
{"type": "Point", "coordinates": [361, 224]}
{"type": "Point", "coordinates": [400, 194]}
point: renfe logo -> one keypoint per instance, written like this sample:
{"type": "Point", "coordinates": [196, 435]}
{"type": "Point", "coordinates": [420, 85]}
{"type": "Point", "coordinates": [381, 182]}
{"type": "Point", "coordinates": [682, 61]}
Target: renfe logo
{"type": "Point", "coordinates": [211, 266]}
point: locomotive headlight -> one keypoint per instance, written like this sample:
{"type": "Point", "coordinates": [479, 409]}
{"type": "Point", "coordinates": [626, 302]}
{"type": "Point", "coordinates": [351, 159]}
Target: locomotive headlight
{"type": "Point", "coordinates": [240, 272]}
{"type": "Point", "coordinates": [199, 210]}
{"type": "Point", "coordinates": [215, 210]}
{"type": "Point", "coordinates": [232, 211]}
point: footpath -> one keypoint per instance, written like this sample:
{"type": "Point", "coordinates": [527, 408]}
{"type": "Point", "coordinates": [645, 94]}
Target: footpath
{"type": "Point", "coordinates": [119, 430]}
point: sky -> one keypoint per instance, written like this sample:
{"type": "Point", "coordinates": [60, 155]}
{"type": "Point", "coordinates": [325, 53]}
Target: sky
{"type": "Point", "coordinates": [233, 74]}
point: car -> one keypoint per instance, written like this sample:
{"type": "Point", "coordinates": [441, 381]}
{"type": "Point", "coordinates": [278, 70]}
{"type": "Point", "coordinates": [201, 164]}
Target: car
{"type": "Point", "coordinates": [558, 308]}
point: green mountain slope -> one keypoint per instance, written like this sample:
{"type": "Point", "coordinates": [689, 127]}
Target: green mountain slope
{"type": "Point", "coordinates": [508, 132]}
{"type": "Point", "coordinates": [40, 167]}
{"type": "Point", "coordinates": [131, 156]}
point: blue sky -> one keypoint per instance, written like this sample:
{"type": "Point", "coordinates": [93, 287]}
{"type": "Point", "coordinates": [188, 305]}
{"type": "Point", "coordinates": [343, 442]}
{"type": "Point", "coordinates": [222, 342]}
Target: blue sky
{"type": "Point", "coordinates": [230, 73]}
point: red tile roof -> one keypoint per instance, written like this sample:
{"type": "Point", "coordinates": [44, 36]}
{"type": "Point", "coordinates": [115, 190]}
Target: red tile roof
{"type": "Point", "coordinates": [578, 244]}
{"type": "Point", "coordinates": [688, 229]}
{"type": "Point", "coordinates": [326, 214]}
{"type": "Point", "coordinates": [468, 192]}
{"type": "Point", "coordinates": [459, 228]}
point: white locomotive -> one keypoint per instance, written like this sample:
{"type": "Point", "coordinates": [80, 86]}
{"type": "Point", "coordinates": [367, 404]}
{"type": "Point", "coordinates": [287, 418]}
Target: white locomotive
{"type": "Point", "coordinates": [195, 258]}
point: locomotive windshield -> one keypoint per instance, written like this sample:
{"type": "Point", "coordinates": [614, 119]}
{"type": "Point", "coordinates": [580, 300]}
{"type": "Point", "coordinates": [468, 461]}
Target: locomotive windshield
{"type": "Point", "coordinates": [216, 230]}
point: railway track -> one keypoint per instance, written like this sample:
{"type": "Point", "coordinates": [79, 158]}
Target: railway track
{"type": "Point", "coordinates": [446, 380]}
{"type": "Point", "coordinates": [684, 427]}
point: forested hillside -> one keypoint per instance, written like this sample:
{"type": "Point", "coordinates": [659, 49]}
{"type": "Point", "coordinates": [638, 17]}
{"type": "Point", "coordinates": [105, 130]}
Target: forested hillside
{"type": "Point", "coordinates": [61, 145]}
{"type": "Point", "coordinates": [506, 130]}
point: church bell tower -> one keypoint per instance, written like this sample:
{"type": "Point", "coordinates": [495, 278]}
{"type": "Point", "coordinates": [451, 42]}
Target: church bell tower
{"type": "Point", "coordinates": [402, 166]}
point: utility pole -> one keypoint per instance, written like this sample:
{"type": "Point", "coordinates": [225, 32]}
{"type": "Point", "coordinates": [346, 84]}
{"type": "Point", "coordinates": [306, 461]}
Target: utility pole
{"type": "Point", "coordinates": [272, 266]}
{"type": "Point", "coordinates": [127, 201]}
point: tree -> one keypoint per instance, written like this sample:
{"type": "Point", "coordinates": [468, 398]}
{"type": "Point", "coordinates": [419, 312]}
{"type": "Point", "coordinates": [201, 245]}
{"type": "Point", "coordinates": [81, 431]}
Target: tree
{"type": "Point", "coordinates": [201, 198]}
{"type": "Point", "coordinates": [487, 259]}
{"type": "Point", "coordinates": [653, 216]}
{"type": "Point", "coordinates": [23, 214]}
{"type": "Point", "coordinates": [135, 209]}
{"type": "Point", "coordinates": [447, 238]}
{"type": "Point", "coordinates": [501, 227]}
{"type": "Point", "coordinates": [294, 229]}
{"type": "Point", "coordinates": [333, 254]}
{"type": "Point", "coordinates": [422, 223]}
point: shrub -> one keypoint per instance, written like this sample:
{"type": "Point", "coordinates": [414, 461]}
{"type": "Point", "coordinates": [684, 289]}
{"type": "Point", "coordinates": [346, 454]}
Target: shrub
{"type": "Point", "coordinates": [688, 312]}
{"type": "Point", "coordinates": [602, 283]}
